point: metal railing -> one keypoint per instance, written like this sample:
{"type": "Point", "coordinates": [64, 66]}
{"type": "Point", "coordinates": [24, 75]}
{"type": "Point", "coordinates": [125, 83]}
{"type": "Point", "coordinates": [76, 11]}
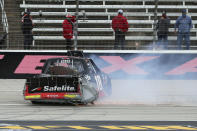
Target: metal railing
{"type": "Point", "coordinates": [95, 32]}
{"type": "Point", "coordinates": [5, 21]}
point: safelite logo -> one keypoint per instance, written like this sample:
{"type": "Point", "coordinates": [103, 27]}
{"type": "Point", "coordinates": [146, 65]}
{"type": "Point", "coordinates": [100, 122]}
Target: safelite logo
{"type": "Point", "coordinates": [59, 88]}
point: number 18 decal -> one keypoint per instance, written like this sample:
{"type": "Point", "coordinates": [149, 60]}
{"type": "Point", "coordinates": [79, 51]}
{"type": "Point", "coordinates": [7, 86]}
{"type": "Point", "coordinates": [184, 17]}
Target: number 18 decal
{"type": "Point", "coordinates": [98, 82]}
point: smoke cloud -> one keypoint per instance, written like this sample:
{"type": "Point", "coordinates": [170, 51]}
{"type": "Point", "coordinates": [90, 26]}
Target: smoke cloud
{"type": "Point", "coordinates": [153, 90]}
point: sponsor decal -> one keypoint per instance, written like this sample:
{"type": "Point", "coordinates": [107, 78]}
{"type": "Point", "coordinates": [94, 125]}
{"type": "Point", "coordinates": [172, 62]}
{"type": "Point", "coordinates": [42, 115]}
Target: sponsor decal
{"type": "Point", "coordinates": [99, 82]}
{"type": "Point", "coordinates": [37, 89]}
{"type": "Point", "coordinates": [65, 61]}
{"type": "Point", "coordinates": [52, 96]}
{"type": "Point", "coordinates": [58, 88]}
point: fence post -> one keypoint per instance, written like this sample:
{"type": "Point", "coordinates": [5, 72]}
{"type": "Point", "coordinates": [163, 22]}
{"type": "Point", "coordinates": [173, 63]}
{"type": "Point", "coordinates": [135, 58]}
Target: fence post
{"type": "Point", "coordinates": [76, 25]}
{"type": "Point", "coordinates": [155, 24]}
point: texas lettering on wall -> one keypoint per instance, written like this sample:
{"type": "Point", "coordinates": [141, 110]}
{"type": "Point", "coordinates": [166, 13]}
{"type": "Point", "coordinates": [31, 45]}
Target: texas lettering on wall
{"type": "Point", "coordinates": [118, 66]}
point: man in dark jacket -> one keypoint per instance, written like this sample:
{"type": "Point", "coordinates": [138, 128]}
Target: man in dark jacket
{"type": "Point", "coordinates": [162, 30]}
{"type": "Point", "coordinates": [120, 27]}
{"type": "Point", "coordinates": [27, 26]}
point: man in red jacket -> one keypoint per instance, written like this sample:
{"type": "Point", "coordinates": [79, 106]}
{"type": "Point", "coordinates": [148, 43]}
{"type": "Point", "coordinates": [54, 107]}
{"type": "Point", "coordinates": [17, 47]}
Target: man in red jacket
{"type": "Point", "coordinates": [68, 26]}
{"type": "Point", "coordinates": [120, 27]}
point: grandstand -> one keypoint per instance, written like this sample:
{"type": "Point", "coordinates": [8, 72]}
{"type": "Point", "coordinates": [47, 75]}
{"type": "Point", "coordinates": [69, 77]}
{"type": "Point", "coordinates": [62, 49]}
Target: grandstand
{"type": "Point", "coordinates": [95, 17]}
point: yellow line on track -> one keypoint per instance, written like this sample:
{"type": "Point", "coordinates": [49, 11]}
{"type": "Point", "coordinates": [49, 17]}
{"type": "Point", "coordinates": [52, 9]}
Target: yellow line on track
{"type": "Point", "coordinates": [112, 127]}
{"type": "Point", "coordinates": [37, 127]}
{"type": "Point", "coordinates": [79, 127]}
{"type": "Point", "coordinates": [134, 127]}
{"type": "Point", "coordinates": [12, 127]}
{"type": "Point", "coordinates": [54, 126]}
{"type": "Point", "coordinates": [182, 128]}
{"type": "Point", "coordinates": [169, 128]}
{"type": "Point", "coordinates": [164, 127]}
{"type": "Point", "coordinates": [158, 127]}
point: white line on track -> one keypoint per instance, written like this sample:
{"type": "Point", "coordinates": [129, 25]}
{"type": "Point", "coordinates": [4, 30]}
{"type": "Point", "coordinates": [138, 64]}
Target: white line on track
{"type": "Point", "coordinates": [13, 104]}
{"type": "Point", "coordinates": [10, 90]}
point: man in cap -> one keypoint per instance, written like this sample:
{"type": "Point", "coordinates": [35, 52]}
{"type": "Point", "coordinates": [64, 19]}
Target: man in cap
{"type": "Point", "coordinates": [184, 24]}
{"type": "Point", "coordinates": [162, 30]}
{"type": "Point", "coordinates": [27, 26]}
{"type": "Point", "coordinates": [120, 27]}
{"type": "Point", "coordinates": [68, 26]}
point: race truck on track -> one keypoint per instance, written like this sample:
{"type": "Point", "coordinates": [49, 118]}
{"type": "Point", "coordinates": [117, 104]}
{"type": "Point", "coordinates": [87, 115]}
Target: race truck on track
{"type": "Point", "coordinates": [69, 79]}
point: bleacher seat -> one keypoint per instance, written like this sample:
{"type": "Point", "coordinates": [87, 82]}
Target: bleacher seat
{"type": "Point", "coordinates": [97, 26]}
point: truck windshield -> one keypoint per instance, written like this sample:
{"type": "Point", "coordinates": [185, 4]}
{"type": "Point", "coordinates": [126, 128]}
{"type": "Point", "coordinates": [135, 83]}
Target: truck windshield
{"type": "Point", "coordinates": [63, 66]}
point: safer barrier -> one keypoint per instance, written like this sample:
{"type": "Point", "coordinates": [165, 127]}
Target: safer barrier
{"type": "Point", "coordinates": [154, 65]}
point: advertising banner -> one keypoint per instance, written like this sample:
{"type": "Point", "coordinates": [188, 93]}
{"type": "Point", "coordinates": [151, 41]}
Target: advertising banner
{"type": "Point", "coordinates": [118, 65]}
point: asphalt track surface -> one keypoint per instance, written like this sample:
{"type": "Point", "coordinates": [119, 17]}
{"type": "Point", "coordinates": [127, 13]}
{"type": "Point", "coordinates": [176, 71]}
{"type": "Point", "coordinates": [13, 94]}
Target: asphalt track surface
{"type": "Point", "coordinates": [17, 114]}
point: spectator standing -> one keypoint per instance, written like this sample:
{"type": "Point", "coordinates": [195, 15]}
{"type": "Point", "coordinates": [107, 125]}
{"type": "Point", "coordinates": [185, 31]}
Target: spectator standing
{"type": "Point", "coordinates": [162, 30]}
{"type": "Point", "coordinates": [184, 24]}
{"type": "Point", "coordinates": [27, 26]}
{"type": "Point", "coordinates": [68, 26]}
{"type": "Point", "coordinates": [2, 40]}
{"type": "Point", "coordinates": [120, 27]}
